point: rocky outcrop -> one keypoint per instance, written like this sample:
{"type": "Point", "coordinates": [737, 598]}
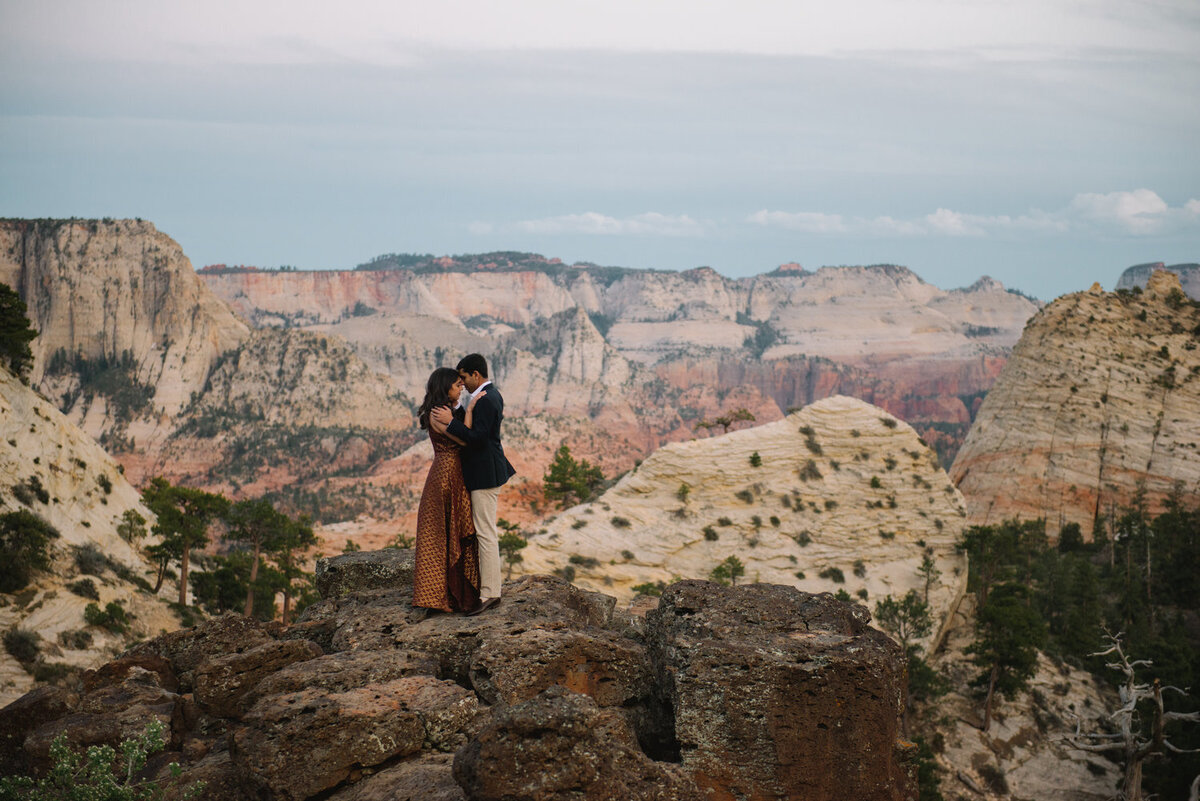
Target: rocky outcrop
{"type": "Point", "coordinates": [552, 695]}
{"type": "Point", "coordinates": [1099, 401]}
{"type": "Point", "coordinates": [1139, 275]}
{"type": "Point", "coordinates": [50, 468]}
{"type": "Point", "coordinates": [837, 495]}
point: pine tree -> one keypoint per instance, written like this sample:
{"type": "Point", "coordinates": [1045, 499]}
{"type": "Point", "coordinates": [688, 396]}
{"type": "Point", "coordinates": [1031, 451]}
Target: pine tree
{"type": "Point", "coordinates": [1009, 632]}
{"type": "Point", "coordinates": [184, 515]}
{"type": "Point", "coordinates": [570, 481]}
{"type": "Point", "coordinates": [15, 333]}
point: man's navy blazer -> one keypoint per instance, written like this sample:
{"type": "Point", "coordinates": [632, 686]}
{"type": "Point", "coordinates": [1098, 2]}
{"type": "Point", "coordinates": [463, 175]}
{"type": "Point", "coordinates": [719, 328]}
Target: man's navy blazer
{"type": "Point", "coordinates": [483, 462]}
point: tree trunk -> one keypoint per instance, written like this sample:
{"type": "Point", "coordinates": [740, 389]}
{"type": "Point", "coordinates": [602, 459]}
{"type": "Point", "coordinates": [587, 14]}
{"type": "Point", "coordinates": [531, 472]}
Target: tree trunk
{"type": "Point", "coordinates": [1131, 790]}
{"type": "Point", "coordinates": [253, 577]}
{"type": "Point", "coordinates": [987, 703]}
{"type": "Point", "coordinates": [183, 568]}
{"type": "Point", "coordinates": [162, 575]}
{"type": "Point", "coordinates": [287, 601]}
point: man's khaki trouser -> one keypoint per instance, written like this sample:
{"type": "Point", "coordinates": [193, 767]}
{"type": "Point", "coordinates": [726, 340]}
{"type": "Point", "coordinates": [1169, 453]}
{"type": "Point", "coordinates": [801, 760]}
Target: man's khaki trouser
{"type": "Point", "coordinates": [483, 511]}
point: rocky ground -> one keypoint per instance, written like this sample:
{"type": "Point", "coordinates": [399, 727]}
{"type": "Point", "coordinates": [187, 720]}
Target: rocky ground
{"type": "Point", "coordinates": [749, 692]}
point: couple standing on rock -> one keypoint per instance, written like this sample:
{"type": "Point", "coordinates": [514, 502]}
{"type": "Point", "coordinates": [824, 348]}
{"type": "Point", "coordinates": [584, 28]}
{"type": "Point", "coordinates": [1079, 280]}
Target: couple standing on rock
{"type": "Point", "coordinates": [457, 561]}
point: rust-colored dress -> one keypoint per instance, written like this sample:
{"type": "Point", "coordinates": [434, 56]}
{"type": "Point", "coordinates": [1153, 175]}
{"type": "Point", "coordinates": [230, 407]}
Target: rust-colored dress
{"type": "Point", "coordinates": [446, 573]}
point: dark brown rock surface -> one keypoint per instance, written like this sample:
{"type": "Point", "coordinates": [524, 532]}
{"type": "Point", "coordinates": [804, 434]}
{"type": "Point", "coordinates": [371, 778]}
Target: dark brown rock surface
{"type": "Point", "coordinates": [779, 694]}
{"type": "Point", "coordinates": [561, 745]}
{"type": "Point", "coordinates": [721, 693]}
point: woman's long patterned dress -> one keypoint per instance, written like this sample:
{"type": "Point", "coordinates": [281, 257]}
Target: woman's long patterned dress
{"type": "Point", "coordinates": [446, 573]}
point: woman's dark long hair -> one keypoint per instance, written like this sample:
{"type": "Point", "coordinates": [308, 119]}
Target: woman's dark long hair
{"type": "Point", "coordinates": [437, 392]}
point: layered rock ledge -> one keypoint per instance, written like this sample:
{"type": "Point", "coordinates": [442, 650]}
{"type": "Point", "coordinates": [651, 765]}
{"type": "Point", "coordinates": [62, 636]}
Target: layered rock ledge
{"type": "Point", "coordinates": [751, 692]}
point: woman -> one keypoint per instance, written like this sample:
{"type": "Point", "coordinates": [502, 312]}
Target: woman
{"type": "Point", "coordinates": [446, 569]}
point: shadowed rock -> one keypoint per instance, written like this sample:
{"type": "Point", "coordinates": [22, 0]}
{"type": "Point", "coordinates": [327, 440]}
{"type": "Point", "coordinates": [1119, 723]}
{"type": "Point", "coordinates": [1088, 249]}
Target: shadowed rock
{"type": "Point", "coordinates": [778, 693]}
{"type": "Point", "coordinates": [301, 743]}
{"type": "Point", "coordinates": [186, 649]}
{"type": "Point", "coordinates": [560, 745]}
{"type": "Point", "coordinates": [222, 683]}
{"type": "Point", "coordinates": [25, 714]}
{"type": "Point", "coordinates": [423, 778]}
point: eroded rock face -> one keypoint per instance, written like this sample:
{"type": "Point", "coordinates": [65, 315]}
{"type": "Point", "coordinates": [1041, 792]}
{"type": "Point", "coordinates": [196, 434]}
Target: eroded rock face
{"type": "Point", "coordinates": [1099, 401]}
{"type": "Point", "coordinates": [301, 743]}
{"type": "Point", "coordinates": [560, 745]}
{"type": "Point", "coordinates": [720, 693]}
{"type": "Point", "coordinates": [777, 693]}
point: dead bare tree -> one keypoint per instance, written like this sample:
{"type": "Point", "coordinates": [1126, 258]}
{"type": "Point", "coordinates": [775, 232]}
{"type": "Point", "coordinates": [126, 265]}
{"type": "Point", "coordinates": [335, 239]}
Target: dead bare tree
{"type": "Point", "coordinates": [1129, 740]}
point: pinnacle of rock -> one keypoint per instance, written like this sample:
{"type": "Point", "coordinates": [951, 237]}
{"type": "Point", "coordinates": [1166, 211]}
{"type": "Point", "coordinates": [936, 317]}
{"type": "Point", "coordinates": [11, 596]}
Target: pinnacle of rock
{"type": "Point", "coordinates": [1100, 397]}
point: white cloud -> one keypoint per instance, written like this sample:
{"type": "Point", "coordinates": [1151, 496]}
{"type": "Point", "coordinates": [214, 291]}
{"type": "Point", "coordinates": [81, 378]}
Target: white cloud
{"type": "Point", "coordinates": [1140, 212]}
{"type": "Point", "coordinates": [648, 224]}
{"type": "Point", "coordinates": [813, 222]}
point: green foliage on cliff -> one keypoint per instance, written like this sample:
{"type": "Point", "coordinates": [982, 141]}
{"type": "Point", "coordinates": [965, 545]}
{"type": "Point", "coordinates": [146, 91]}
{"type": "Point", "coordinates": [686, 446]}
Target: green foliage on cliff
{"type": "Point", "coordinates": [25, 542]}
{"type": "Point", "coordinates": [115, 378]}
{"type": "Point", "coordinates": [15, 333]}
{"type": "Point", "coordinates": [569, 481]}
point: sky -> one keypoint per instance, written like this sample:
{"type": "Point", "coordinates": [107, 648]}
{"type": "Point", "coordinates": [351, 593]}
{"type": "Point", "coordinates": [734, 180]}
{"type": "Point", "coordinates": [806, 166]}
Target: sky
{"type": "Point", "coordinates": [1047, 143]}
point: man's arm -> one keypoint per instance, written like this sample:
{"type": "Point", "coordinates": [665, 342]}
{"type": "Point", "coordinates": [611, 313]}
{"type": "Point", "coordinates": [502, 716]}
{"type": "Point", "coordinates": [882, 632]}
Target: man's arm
{"type": "Point", "coordinates": [486, 420]}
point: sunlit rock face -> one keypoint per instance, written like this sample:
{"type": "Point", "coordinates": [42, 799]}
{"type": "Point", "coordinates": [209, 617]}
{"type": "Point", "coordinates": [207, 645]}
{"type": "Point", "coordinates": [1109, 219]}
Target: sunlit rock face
{"type": "Point", "coordinates": [837, 495]}
{"type": "Point", "coordinates": [1100, 397]}
{"type": "Point", "coordinates": [1139, 276]}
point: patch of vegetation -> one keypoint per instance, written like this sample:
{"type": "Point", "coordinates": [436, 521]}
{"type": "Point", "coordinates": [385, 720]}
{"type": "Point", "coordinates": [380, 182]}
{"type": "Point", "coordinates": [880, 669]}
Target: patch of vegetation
{"type": "Point", "coordinates": [85, 588]}
{"type": "Point", "coordinates": [627, 556]}
{"type": "Point", "coordinates": [25, 542]}
{"type": "Point", "coordinates": [860, 568]}
{"type": "Point", "coordinates": [755, 460]}
{"type": "Point", "coordinates": [579, 524]}
{"type": "Point", "coordinates": [569, 481]}
{"type": "Point", "coordinates": [114, 378]}
{"type": "Point", "coordinates": [711, 534]}
{"type": "Point", "coordinates": [683, 492]}
{"type": "Point", "coordinates": [889, 422]}
{"type": "Point", "coordinates": [774, 521]}
{"type": "Point", "coordinates": [620, 522]}
{"type": "Point", "coordinates": [90, 560]}
{"type": "Point", "coordinates": [804, 538]}
{"type": "Point", "coordinates": [724, 521]}
{"type": "Point", "coordinates": [833, 574]}
{"type": "Point", "coordinates": [654, 590]}
{"type": "Point", "coordinates": [876, 483]}
{"type": "Point", "coordinates": [728, 571]}
{"type": "Point", "coordinates": [744, 495]}
{"type": "Point", "coordinates": [810, 472]}
{"type": "Point", "coordinates": [113, 617]}
{"type": "Point", "coordinates": [23, 646]}
{"type": "Point", "coordinates": [586, 562]}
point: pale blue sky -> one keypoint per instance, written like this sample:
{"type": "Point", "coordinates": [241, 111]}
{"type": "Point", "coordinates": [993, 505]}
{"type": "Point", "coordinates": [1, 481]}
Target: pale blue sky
{"type": "Point", "coordinates": [1048, 144]}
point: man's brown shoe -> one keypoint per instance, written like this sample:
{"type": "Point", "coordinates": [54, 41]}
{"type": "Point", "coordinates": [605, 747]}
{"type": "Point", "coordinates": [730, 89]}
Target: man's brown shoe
{"type": "Point", "coordinates": [484, 606]}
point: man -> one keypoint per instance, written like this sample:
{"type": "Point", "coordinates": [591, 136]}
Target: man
{"type": "Point", "coordinates": [485, 469]}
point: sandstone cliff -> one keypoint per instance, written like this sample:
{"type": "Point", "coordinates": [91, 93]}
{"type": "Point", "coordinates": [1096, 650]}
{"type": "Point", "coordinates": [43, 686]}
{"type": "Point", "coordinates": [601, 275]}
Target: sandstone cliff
{"type": "Point", "coordinates": [1100, 397]}
{"type": "Point", "coordinates": [746, 692]}
{"type": "Point", "coordinates": [51, 468]}
{"type": "Point", "coordinates": [115, 296]}
{"type": "Point", "coordinates": [844, 496]}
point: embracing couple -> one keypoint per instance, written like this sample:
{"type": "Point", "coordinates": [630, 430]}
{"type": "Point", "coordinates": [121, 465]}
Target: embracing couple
{"type": "Point", "coordinates": [457, 564]}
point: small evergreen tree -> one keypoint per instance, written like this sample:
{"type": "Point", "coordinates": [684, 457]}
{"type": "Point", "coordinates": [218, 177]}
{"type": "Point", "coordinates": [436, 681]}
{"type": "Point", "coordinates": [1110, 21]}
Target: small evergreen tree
{"type": "Point", "coordinates": [184, 515]}
{"type": "Point", "coordinates": [728, 571]}
{"type": "Point", "coordinates": [511, 543]}
{"type": "Point", "coordinates": [570, 481]}
{"type": "Point", "coordinates": [259, 524]}
{"type": "Point", "coordinates": [1009, 633]}
{"type": "Point", "coordinates": [15, 333]}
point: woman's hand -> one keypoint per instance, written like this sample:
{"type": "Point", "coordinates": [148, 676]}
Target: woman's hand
{"type": "Point", "coordinates": [474, 400]}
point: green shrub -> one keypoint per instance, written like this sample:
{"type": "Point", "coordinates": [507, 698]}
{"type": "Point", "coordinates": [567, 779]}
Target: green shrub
{"type": "Point", "coordinates": [90, 560]}
{"type": "Point", "coordinates": [809, 471]}
{"type": "Point", "coordinates": [804, 538]}
{"type": "Point", "coordinates": [627, 556]}
{"type": "Point", "coordinates": [620, 522]}
{"type": "Point", "coordinates": [586, 562]}
{"type": "Point", "coordinates": [649, 589]}
{"type": "Point", "coordinates": [85, 588]}
{"type": "Point", "coordinates": [833, 574]}
{"type": "Point", "coordinates": [724, 521]}
{"type": "Point", "coordinates": [755, 460]}
{"type": "Point", "coordinates": [774, 521]}
{"type": "Point", "coordinates": [860, 568]}
{"type": "Point", "coordinates": [876, 483]}
{"type": "Point", "coordinates": [24, 541]}
{"type": "Point", "coordinates": [842, 595]}
{"type": "Point", "coordinates": [756, 521]}
{"type": "Point", "coordinates": [711, 534]}
{"type": "Point", "coordinates": [75, 640]}
{"type": "Point", "coordinates": [800, 575]}
{"type": "Point", "coordinates": [22, 645]}
{"type": "Point", "coordinates": [744, 495]}
{"type": "Point", "coordinates": [113, 617]}
{"type": "Point", "coordinates": [105, 483]}
{"type": "Point", "coordinates": [101, 773]}
{"type": "Point", "coordinates": [890, 422]}
{"type": "Point", "coordinates": [567, 572]}
{"type": "Point", "coordinates": [862, 593]}
{"type": "Point", "coordinates": [579, 524]}
{"type": "Point", "coordinates": [683, 492]}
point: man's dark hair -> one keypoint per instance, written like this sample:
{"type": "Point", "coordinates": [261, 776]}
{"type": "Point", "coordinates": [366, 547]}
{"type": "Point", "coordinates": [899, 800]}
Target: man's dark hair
{"type": "Point", "coordinates": [473, 363]}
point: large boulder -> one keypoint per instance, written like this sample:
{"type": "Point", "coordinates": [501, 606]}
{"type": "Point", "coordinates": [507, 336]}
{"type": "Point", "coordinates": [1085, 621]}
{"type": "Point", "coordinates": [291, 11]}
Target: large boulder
{"type": "Point", "coordinates": [391, 568]}
{"type": "Point", "coordinates": [223, 683]}
{"type": "Point", "coordinates": [299, 744]}
{"type": "Point", "coordinates": [343, 671]}
{"type": "Point", "coordinates": [776, 693]}
{"type": "Point", "coordinates": [33, 709]}
{"type": "Point", "coordinates": [561, 745]}
{"type": "Point", "coordinates": [514, 668]}
{"type": "Point", "coordinates": [186, 649]}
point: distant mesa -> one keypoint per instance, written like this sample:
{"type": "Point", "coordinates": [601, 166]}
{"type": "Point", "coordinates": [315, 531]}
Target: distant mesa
{"type": "Point", "coordinates": [1139, 274]}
